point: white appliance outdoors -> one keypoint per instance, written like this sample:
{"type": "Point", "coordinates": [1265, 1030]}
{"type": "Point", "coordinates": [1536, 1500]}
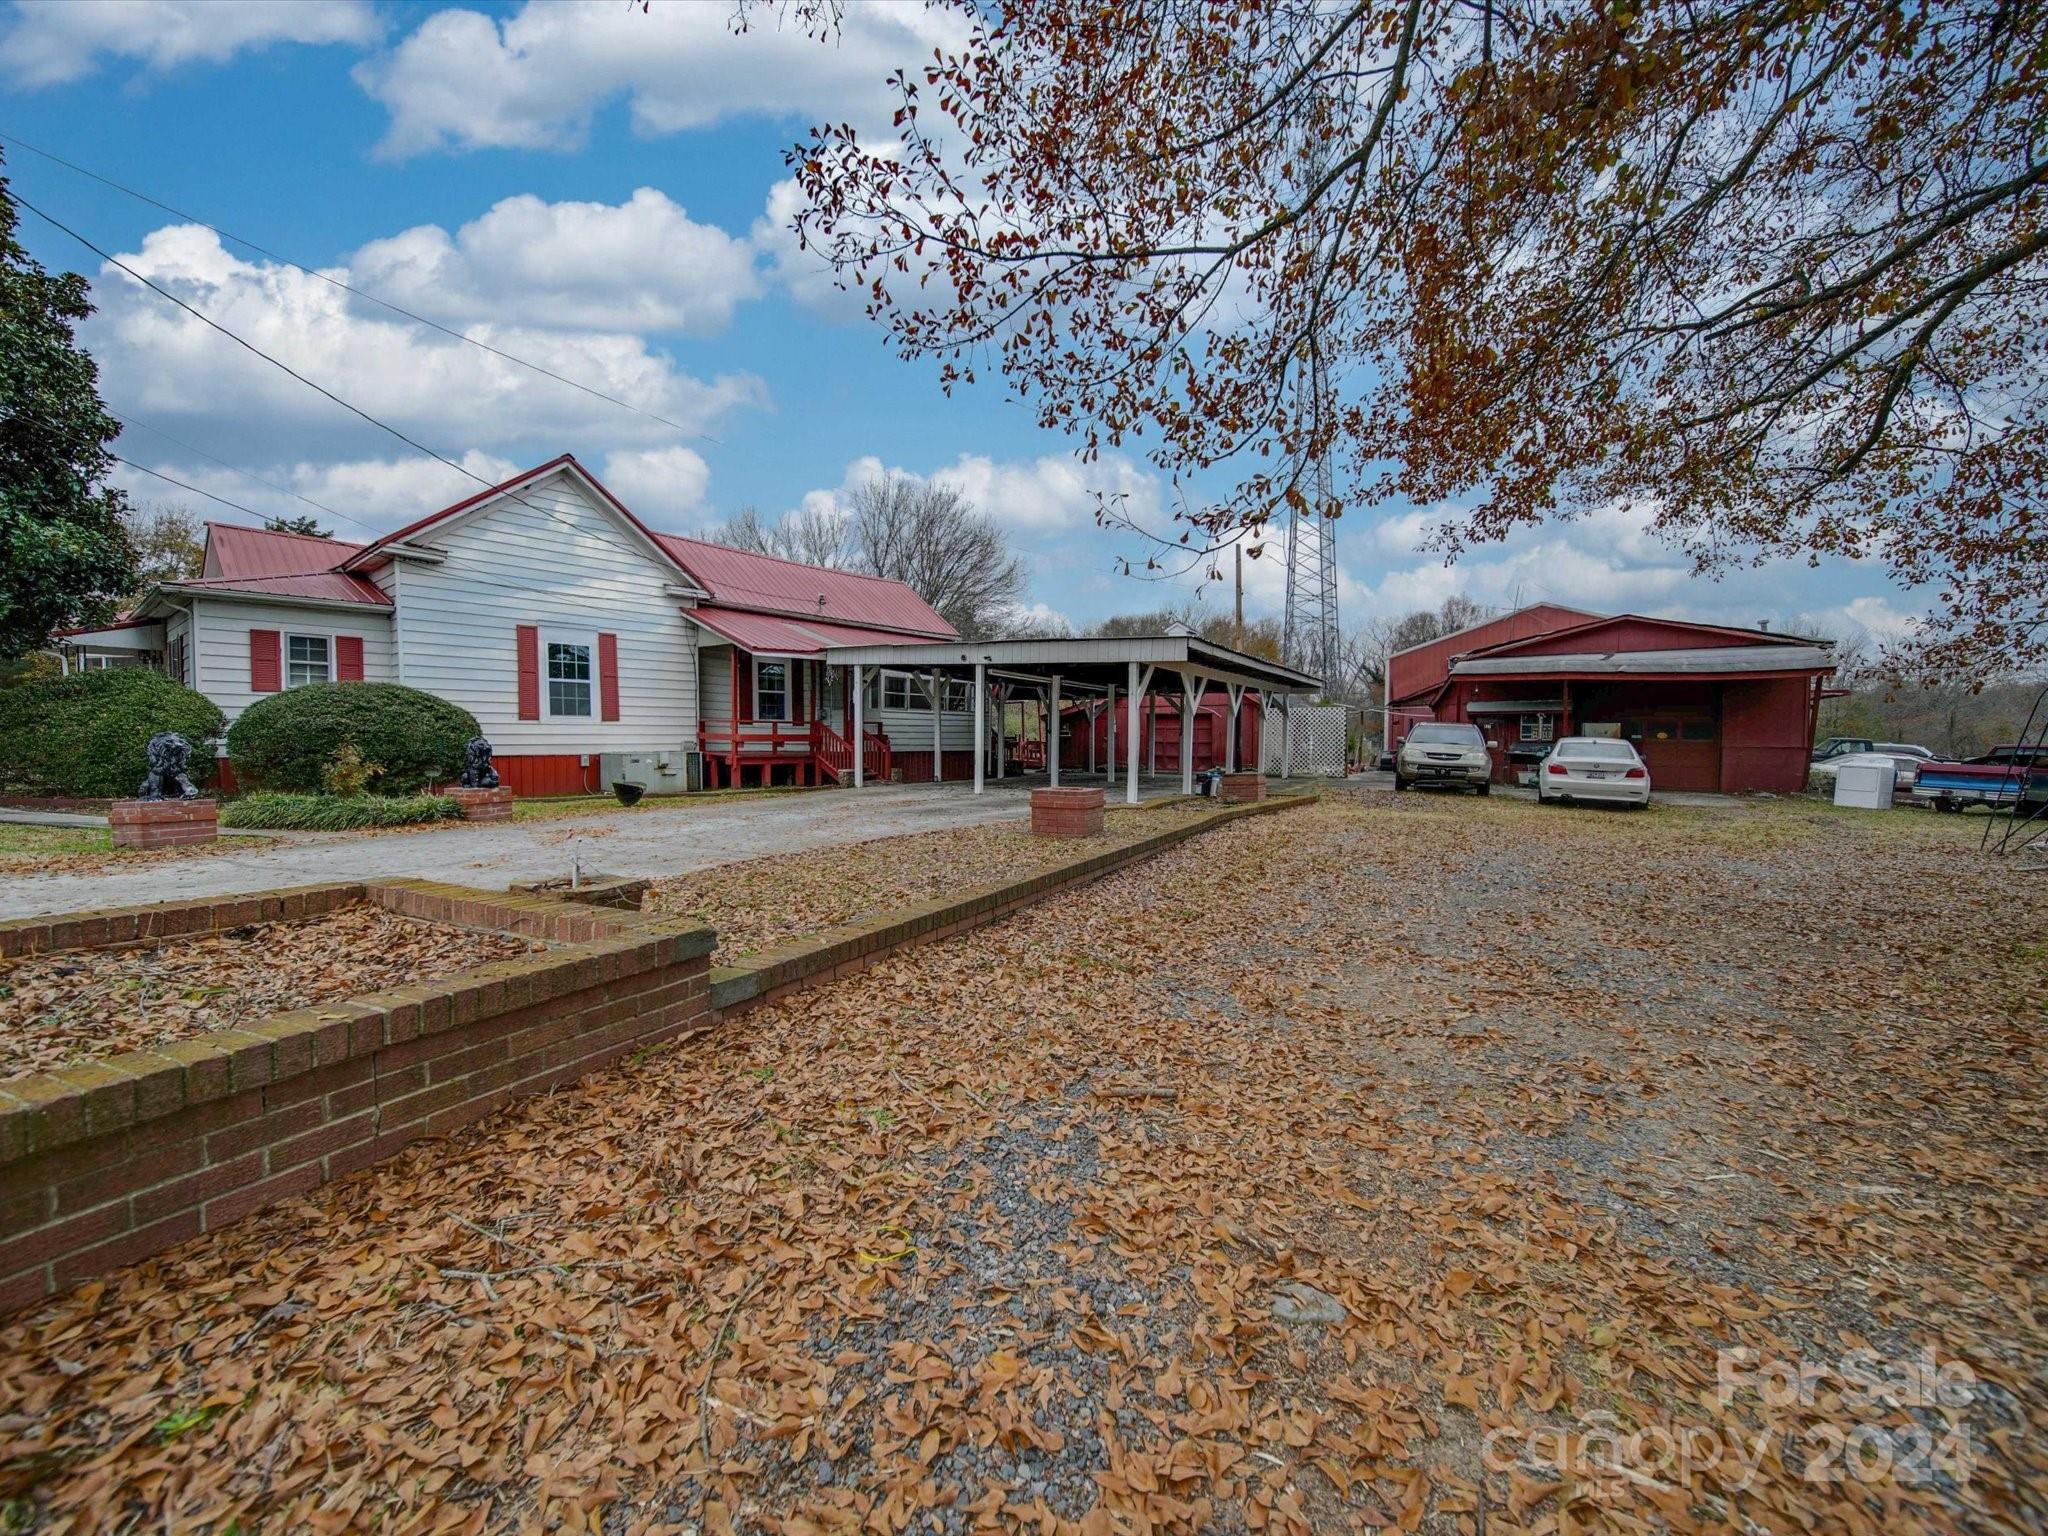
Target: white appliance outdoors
{"type": "Point", "coordinates": [659, 773]}
{"type": "Point", "coordinates": [1866, 786]}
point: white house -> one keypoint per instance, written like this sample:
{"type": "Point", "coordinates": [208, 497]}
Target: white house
{"type": "Point", "coordinates": [571, 630]}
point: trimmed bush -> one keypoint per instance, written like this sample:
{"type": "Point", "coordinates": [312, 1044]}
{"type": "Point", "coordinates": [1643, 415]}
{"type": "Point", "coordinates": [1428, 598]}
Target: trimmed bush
{"type": "Point", "coordinates": [287, 740]}
{"type": "Point", "coordinates": [335, 813]}
{"type": "Point", "coordinates": [88, 734]}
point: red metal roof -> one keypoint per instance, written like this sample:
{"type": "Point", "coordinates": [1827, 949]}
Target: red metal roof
{"type": "Point", "coordinates": [879, 609]}
{"type": "Point", "coordinates": [323, 586]}
{"type": "Point", "coordinates": [772, 635]}
{"type": "Point", "coordinates": [232, 550]}
{"type": "Point", "coordinates": [736, 578]}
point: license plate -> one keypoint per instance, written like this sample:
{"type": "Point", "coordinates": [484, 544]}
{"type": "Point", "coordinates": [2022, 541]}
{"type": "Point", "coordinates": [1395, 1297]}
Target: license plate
{"type": "Point", "coordinates": [1594, 773]}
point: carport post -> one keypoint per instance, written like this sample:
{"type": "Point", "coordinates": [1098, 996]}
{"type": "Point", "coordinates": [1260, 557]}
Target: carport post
{"type": "Point", "coordinates": [1002, 726]}
{"type": "Point", "coordinates": [1138, 686]}
{"type": "Point", "coordinates": [980, 719]}
{"type": "Point", "coordinates": [1110, 765]}
{"type": "Point", "coordinates": [860, 743]}
{"type": "Point", "coordinates": [1287, 736]}
{"type": "Point", "coordinates": [1230, 728]}
{"type": "Point", "coordinates": [1091, 735]}
{"type": "Point", "coordinates": [938, 728]}
{"type": "Point", "coordinates": [1191, 690]}
{"type": "Point", "coordinates": [1052, 731]}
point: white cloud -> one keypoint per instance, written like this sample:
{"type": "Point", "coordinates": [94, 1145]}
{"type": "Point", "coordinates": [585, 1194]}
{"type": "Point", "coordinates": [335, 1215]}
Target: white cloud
{"type": "Point", "coordinates": [643, 265]}
{"type": "Point", "coordinates": [806, 275]}
{"type": "Point", "coordinates": [51, 41]}
{"type": "Point", "coordinates": [352, 499]}
{"type": "Point", "coordinates": [1035, 496]}
{"type": "Point", "coordinates": [533, 80]}
{"type": "Point", "coordinates": [160, 362]}
{"type": "Point", "coordinates": [663, 486]}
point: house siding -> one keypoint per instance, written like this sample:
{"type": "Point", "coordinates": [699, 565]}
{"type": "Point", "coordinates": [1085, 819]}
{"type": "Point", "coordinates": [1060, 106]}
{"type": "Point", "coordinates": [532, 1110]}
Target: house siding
{"type": "Point", "coordinates": [222, 650]}
{"type": "Point", "coordinates": [557, 560]}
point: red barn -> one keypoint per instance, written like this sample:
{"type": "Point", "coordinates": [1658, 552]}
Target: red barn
{"type": "Point", "coordinates": [1709, 707]}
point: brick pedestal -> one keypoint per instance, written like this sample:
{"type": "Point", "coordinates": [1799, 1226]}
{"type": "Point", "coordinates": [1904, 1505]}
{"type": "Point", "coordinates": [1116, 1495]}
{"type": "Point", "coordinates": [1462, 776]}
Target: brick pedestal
{"type": "Point", "coordinates": [483, 804]}
{"type": "Point", "coordinates": [163, 823]}
{"type": "Point", "coordinates": [1241, 788]}
{"type": "Point", "coordinates": [1066, 812]}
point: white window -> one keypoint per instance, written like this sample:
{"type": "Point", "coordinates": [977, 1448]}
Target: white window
{"type": "Point", "coordinates": [570, 668]}
{"type": "Point", "coordinates": [959, 694]}
{"type": "Point", "coordinates": [771, 690]}
{"type": "Point", "coordinates": [902, 691]}
{"type": "Point", "coordinates": [1539, 728]}
{"type": "Point", "coordinates": [175, 664]}
{"type": "Point", "coordinates": [308, 659]}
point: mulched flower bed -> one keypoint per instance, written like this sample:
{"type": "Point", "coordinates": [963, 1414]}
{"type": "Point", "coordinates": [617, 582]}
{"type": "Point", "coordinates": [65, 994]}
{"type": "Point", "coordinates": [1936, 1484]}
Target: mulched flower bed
{"type": "Point", "coordinates": [757, 904]}
{"type": "Point", "coordinates": [60, 1009]}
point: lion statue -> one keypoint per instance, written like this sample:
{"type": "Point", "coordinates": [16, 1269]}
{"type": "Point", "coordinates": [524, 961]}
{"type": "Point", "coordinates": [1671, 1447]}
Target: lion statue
{"type": "Point", "coordinates": [169, 757]}
{"type": "Point", "coordinates": [478, 772]}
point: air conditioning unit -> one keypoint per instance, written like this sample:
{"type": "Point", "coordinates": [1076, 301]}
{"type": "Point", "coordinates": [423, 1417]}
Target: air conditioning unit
{"type": "Point", "coordinates": [659, 773]}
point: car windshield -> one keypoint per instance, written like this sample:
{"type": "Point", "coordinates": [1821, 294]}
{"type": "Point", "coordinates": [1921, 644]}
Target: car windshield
{"type": "Point", "coordinates": [1446, 736]}
{"type": "Point", "coordinates": [1596, 750]}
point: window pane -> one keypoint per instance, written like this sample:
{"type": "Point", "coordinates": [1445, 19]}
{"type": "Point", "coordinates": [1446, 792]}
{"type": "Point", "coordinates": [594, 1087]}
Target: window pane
{"type": "Point", "coordinates": [305, 660]}
{"type": "Point", "coordinates": [771, 690]}
{"type": "Point", "coordinates": [568, 679]}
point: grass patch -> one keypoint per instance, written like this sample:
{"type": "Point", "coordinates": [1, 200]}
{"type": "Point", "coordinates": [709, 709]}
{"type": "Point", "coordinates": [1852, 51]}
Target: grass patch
{"type": "Point", "coordinates": [556, 807]}
{"type": "Point", "coordinates": [335, 813]}
{"type": "Point", "coordinates": [25, 839]}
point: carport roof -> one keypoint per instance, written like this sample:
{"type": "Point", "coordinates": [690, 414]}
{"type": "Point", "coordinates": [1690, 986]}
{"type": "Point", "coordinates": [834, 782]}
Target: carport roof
{"type": "Point", "coordinates": [1101, 662]}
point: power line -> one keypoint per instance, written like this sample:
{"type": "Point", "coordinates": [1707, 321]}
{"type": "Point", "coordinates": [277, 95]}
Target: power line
{"type": "Point", "coordinates": [246, 474]}
{"type": "Point", "coordinates": [350, 288]}
{"type": "Point", "coordinates": [352, 409]}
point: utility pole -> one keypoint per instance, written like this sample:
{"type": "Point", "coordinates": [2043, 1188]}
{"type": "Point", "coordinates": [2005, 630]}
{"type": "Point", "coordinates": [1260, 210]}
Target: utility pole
{"type": "Point", "coordinates": [1237, 633]}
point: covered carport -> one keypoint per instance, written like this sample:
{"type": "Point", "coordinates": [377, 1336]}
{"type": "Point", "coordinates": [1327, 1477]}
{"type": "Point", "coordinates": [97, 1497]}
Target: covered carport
{"type": "Point", "coordinates": [1180, 668]}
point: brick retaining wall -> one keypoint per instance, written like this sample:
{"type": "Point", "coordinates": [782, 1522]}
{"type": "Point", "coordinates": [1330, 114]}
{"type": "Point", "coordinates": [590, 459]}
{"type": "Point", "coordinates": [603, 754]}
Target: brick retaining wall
{"type": "Point", "coordinates": [107, 1163]}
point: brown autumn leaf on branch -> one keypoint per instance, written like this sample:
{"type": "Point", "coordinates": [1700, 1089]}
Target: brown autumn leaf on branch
{"type": "Point", "coordinates": [1766, 274]}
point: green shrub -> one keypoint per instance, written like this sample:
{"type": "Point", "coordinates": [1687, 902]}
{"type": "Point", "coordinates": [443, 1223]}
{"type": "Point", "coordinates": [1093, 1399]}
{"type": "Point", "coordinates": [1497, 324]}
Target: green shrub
{"type": "Point", "coordinates": [335, 813]}
{"type": "Point", "coordinates": [88, 734]}
{"type": "Point", "coordinates": [348, 774]}
{"type": "Point", "coordinates": [287, 740]}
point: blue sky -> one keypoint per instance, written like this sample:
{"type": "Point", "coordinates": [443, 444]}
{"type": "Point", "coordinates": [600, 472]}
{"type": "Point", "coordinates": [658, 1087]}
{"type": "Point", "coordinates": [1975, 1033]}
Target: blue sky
{"type": "Point", "coordinates": [602, 190]}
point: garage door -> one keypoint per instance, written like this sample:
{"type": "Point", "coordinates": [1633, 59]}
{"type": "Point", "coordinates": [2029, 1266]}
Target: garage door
{"type": "Point", "coordinates": [1682, 752]}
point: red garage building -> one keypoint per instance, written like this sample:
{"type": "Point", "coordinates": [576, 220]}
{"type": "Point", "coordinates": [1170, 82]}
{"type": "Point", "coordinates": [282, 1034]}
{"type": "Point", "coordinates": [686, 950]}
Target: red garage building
{"type": "Point", "coordinates": [1708, 707]}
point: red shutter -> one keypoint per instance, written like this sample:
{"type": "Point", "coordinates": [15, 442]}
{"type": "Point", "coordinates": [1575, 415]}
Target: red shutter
{"type": "Point", "coordinates": [266, 670]}
{"type": "Point", "coordinates": [348, 658]}
{"type": "Point", "coordinates": [608, 676]}
{"type": "Point", "coordinates": [529, 672]}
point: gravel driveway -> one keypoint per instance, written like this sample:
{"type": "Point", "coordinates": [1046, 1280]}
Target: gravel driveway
{"type": "Point", "coordinates": [665, 841]}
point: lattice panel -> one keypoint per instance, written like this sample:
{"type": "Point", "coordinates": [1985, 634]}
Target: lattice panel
{"type": "Point", "coordinates": [1317, 742]}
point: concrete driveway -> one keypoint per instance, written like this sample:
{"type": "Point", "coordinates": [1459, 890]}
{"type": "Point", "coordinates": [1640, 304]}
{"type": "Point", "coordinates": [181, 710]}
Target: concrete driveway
{"type": "Point", "coordinates": [663, 840]}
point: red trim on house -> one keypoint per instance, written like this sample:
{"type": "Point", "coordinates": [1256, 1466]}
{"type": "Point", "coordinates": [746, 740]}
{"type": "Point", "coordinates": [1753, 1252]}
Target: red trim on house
{"type": "Point", "coordinates": [529, 671]}
{"type": "Point", "coordinates": [348, 658]}
{"type": "Point", "coordinates": [549, 773]}
{"type": "Point", "coordinates": [266, 665]}
{"type": "Point", "coordinates": [608, 676]}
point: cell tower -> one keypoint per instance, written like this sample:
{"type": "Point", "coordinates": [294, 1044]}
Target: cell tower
{"type": "Point", "coordinates": [1308, 635]}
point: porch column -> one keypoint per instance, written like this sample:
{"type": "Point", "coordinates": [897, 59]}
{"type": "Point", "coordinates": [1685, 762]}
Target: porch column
{"type": "Point", "coordinates": [1110, 765]}
{"type": "Point", "coordinates": [1138, 686]}
{"type": "Point", "coordinates": [1002, 725]}
{"type": "Point", "coordinates": [1230, 728]}
{"type": "Point", "coordinates": [1191, 690]}
{"type": "Point", "coordinates": [980, 719]}
{"type": "Point", "coordinates": [860, 745]}
{"type": "Point", "coordinates": [1052, 731]}
{"type": "Point", "coordinates": [938, 728]}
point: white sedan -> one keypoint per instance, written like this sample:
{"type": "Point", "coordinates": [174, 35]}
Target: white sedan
{"type": "Point", "coordinates": [1594, 768]}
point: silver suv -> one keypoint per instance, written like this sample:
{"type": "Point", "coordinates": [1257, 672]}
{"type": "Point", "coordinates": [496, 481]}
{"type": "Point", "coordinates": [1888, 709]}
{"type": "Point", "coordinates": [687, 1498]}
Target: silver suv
{"type": "Point", "coordinates": [1439, 752]}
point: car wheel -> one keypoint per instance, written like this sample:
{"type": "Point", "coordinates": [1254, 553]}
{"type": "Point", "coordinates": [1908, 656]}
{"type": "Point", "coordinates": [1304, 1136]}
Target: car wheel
{"type": "Point", "coordinates": [1486, 789]}
{"type": "Point", "coordinates": [1399, 782]}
